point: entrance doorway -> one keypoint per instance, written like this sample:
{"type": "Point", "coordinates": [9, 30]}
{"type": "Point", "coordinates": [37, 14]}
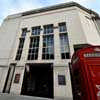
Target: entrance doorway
{"type": "Point", "coordinates": [38, 80]}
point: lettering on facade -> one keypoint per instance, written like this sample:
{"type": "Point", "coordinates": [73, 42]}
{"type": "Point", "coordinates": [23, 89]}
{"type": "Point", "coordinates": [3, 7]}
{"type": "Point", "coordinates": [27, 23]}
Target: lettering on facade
{"type": "Point", "coordinates": [89, 55]}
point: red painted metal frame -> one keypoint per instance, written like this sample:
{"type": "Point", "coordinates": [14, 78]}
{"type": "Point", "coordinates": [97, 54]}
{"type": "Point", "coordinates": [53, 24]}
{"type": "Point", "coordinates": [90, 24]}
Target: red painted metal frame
{"type": "Point", "coordinates": [89, 71]}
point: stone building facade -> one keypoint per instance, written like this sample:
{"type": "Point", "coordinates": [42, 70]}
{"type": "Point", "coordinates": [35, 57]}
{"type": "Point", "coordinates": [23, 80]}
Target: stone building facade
{"type": "Point", "coordinates": [36, 48]}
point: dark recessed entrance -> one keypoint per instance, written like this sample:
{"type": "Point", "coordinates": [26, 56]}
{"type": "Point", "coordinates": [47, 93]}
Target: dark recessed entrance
{"type": "Point", "coordinates": [38, 80]}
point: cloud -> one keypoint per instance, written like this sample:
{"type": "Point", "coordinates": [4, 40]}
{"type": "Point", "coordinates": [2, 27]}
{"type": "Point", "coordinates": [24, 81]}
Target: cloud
{"type": "Point", "coordinates": [8, 7]}
{"type": "Point", "coordinates": [79, 1]}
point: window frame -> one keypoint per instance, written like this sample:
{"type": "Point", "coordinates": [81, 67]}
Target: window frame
{"type": "Point", "coordinates": [62, 27]}
{"type": "Point", "coordinates": [46, 55]}
{"type": "Point", "coordinates": [20, 48]}
{"type": "Point", "coordinates": [48, 29]}
{"type": "Point", "coordinates": [24, 32]}
{"type": "Point", "coordinates": [64, 46]}
{"type": "Point", "coordinates": [33, 48]}
{"type": "Point", "coordinates": [37, 30]}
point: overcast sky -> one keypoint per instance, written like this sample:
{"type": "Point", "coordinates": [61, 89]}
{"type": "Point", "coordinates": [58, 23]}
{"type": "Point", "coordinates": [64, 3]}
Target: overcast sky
{"type": "Point", "coordinates": [8, 7]}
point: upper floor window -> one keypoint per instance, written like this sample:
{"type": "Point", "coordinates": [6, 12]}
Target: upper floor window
{"type": "Point", "coordinates": [48, 47]}
{"type": "Point", "coordinates": [20, 49]}
{"type": "Point", "coordinates": [24, 31]}
{"type": "Point", "coordinates": [64, 46]}
{"type": "Point", "coordinates": [48, 29]}
{"type": "Point", "coordinates": [33, 48]}
{"type": "Point", "coordinates": [62, 27]}
{"type": "Point", "coordinates": [36, 30]}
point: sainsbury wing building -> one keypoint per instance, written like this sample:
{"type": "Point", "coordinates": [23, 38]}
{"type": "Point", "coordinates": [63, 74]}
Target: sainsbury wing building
{"type": "Point", "coordinates": [36, 48]}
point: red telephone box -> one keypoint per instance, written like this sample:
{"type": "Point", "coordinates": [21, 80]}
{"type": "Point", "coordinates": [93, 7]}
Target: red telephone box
{"type": "Point", "coordinates": [86, 73]}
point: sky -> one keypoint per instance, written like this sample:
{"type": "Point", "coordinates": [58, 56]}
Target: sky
{"type": "Point", "coordinates": [8, 7]}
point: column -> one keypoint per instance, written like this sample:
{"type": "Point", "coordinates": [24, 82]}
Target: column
{"type": "Point", "coordinates": [40, 45]}
{"type": "Point", "coordinates": [57, 43]}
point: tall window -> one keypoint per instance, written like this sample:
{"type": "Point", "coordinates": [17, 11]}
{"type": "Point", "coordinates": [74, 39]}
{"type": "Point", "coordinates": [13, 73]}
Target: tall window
{"type": "Point", "coordinates": [33, 48]}
{"type": "Point", "coordinates": [48, 29]}
{"type": "Point", "coordinates": [48, 42]}
{"type": "Point", "coordinates": [64, 43]}
{"type": "Point", "coordinates": [21, 44]}
{"type": "Point", "coordinates": [48, 47]}
{"type": "Point", "coordinates": [36, 30]}
{"type": "Point", "coordinates": [20, 49]}
{"type": "Point", "coordinates": [24, 31]}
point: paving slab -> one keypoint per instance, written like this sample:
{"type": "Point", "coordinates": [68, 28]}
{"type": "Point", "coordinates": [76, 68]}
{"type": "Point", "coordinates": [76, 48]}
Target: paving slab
{"type": "Point", "coordinates": [21, 97]}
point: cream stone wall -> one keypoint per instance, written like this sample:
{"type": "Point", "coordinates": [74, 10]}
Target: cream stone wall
{"type": "Point", "coordinates": [70, 16]}
{"type": "Point", "coordinates": [3, 74]}
{"type": "Point", "coordinates": [62, 90]}
{"type": "Point", "coordinates": [16, 87]}
{"type": "Point", "coordinates": [90, 30]}
{"type": "Point", "coordinates": [81, 30]}
{"type": "Point", "coordinates": [8, 31]}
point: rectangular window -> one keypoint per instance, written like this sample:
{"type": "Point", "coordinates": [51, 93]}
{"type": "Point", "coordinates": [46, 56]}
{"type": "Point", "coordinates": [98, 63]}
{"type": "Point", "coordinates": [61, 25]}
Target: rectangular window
{"type": "Point", "coordinates": [62, 27]}
{"type": "Point", "coordinates": [36, 30]}
{"type": "Point", "coordinates": [64, 46]}
{"type": "Point", "coordinates": [17, 78]}
{"type": "Point", "coordinates": [20, 48]}
{"type": "Point", "coordinates": [48, 29]}
{"type": "Point", "coordinates": [61, 80]}
{"type": "Point", "coordinates": [48, 47]}
{"type": "Point", "coordinates": [33, 48]}
{"type": "Point", "coordinates": [24, 31]}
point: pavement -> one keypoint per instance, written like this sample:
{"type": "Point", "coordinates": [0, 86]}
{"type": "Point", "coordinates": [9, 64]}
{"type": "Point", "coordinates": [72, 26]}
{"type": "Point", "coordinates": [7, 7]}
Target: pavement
{"type": "Point", "coordinates": [21, 97]}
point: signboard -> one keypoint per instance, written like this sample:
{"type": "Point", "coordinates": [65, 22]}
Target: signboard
{"type": "Point", "coordinates": [95, 54]}
{"type": "Point", "coordinates": [17, 78]}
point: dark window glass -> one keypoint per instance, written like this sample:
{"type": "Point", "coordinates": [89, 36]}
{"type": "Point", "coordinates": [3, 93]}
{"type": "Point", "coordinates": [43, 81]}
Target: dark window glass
{"type": "Point", "coordinates": [61, 80]}
{"type": "Point", "coordinates": [24, 31]}
{"type": "Point", "coordinates": [48, 29]}
{"type": "Point", "coordinates": [34, 48]}
{"type": "Point", "coordinates": [62, 27]}
{"type": "Point", "coordinates": [20, 49]}
{"type": "Point", "coordinates": [36, 30]}
{"type": "Point", "coordinates": [48, 47]}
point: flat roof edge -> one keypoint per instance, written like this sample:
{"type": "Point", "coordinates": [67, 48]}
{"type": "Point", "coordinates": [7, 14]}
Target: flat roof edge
{"type": "Point", "coordinates": [50, 8]}
{"type": "Point", "coordinates": [59, 6]}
